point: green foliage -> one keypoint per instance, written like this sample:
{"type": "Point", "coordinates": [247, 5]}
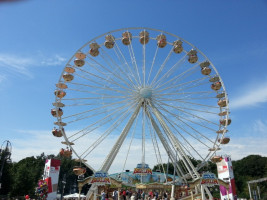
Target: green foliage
{"type": "Point", "coordinates": [6, 179]}
{"type": "Point", "coordinates": [21, 178]}
{"type": "Point", "coordinates": [66, 168]}
{"type": "Point", "coordinates": [250, 168]}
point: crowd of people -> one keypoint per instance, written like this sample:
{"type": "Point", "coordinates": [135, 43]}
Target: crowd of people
{"type": "Point", "coordinates": [134, 195]}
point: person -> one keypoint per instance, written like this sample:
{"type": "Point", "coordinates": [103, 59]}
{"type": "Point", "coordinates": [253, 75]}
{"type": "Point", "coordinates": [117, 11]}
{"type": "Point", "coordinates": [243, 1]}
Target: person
{"type": "Point", "coordinates": [156, 194]}
{"type": "Point", "coordinates": [115, 195]}
{"type": "Point", "coordinates": [139, 197]}
{"type": "Point", "coordinates": [124, 194]}
{"type": "Point", "coordinates": [106, 197]}
{"type": "Point", "coordinates": [103, 195]}
{"type": "Point", "coordinates": [151, 194]}
{"type": "Point", "coordinates": [133, 196]}
{"type": "Point", "coordinates": [143, 195]}
{"type": "Point", "coordinates": [165, 195]}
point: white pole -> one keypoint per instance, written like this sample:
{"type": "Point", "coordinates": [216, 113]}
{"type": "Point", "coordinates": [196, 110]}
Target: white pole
{"type": "Point", "coordinates": [258, 188]}
{"type": "Point", "coordinates": [95, 192]}
{"type": "Point", "coordinates": [249, 191]}
{"type": "Point", "coordinates": [202, 193]}
{"type": "Point", "coordinates": [172, 194]}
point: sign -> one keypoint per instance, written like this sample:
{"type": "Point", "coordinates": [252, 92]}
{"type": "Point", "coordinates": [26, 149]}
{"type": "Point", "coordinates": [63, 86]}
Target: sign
{"type": "Point", "coordinates": [209, 179]}
{"type": "Point", "coordinates": [142, 169]}
{"type": "Point", "coordinates": [225, 172]}
{"type": "Point", "coordinates": [100, 178]}
{"type": "Point", "coordinates": [51, 175]}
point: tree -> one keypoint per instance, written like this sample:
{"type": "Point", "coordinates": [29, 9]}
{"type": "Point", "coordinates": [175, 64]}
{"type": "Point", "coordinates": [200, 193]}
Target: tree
{"type": "Point", "coordinates": [66, 168]}
{"type": "Point", "coordinates": [249, 168]}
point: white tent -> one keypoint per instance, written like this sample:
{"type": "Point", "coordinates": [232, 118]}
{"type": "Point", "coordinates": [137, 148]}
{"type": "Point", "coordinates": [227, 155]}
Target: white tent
{"type": "Point", "coordinates": [75, 195]}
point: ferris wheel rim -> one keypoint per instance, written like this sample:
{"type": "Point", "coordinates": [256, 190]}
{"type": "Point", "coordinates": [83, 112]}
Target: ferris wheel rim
{"type": "Point", "coordinates": [140, 28]}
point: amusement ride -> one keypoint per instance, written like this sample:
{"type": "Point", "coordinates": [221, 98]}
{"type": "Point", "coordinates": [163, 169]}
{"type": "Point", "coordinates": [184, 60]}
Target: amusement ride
{"type": "Point", "coordinates": [141, 96]}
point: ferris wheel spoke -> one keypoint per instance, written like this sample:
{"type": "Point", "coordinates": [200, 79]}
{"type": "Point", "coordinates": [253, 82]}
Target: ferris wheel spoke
{"type": "Point", "coordinates": [177, 143]}
{"type": "Point", "coordinates": [171, 70]}
{"type": "Point", "coordinates": [94, 114]}
{"type": "Point", "coordinates": [181, 127]}
{"type": "Point", "coordinates": [101, 122]}
{"type": "Point", "coordinates": [102, 79]}
{"type": "Point", "coordinates": [158, 151]}
{"type": "Point", "coordinates": [152, 65]}
{"type": "Point", "coordinates": [133, 59]}
{"type": "Point", "coordinates": [182, 99]}
{"type": "Point", "coordinates": [155, 148]}
{"type": "Point", "coordinates": [198, 124]}
{"type": "Point", "coordinates": [197, 82]}
{"type": "Point", "coordinates": [187, 102]}
{"type": "Point", "coordinates": [172, 123]}
{"type": "Point", "coordinates": [196, 85]}
{"type": "Point", "coordinates": [127, 64]}
{"type": "Point", "coordinates": [165, 144]}
{"type": "Point", "coordinates": [116, 147]}
{"type": "Point", "coordinates": [162, 67]}
{"type": "Point", "coordinates": [110, 71]}
{"type": "Point", "coordinates": [106, 133]}
{"type": "Point", "coordinates": [192, 115]}
{"type": "Point", "coordinates": [99, 112]}
{"type": "Point", "coordinates": [184, 108]}
{"type": "Point", "coordinates": [144, 64]}
{"type": "Point", "coordinates": [100, 95]}
{"type": "Point", "coordinates": [93, 104]}
{"type": "Point", "coordinates": [182, 93]}
{"type": "Point", "coordinates": [178, 77]}
{"type": "Point", "coordinates": [105, 54]}
{"type": "Point", "coordinates": [101, 88]}
{"type": "Point", "coordinates": [114, 115]}
{"type": "Point", "coordinates": [90, 79]}
{"type": "Point", "coordinates": [94, 98]}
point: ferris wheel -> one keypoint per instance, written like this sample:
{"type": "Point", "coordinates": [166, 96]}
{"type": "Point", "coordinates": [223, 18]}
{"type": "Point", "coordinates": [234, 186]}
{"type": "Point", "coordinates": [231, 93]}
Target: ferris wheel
{"type": "Point", "coordinates": [141, 95]}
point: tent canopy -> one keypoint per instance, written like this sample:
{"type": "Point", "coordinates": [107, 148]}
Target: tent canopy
{"type": "Point", "coordinates": [75, 195]}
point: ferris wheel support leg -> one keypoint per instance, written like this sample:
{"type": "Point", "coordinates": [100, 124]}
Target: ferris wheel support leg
{"type": "Point", "coordinates": [95, 193]}
{"type": "Point", "coordinates": [203, 196]}
{"type": "Point", "coordinates": [190, 167]}
{"type": "Point", "coordinates": [208, 192]}
{"type": "Point", "coordinates": [115, 149]}
{"type": "Point", "coordinates": [165, 145]}
{"type": "Point", "coordinates": [172, 193]}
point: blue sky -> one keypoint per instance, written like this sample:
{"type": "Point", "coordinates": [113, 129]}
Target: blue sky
{"type": "Point", "coordinates": [37, 38]}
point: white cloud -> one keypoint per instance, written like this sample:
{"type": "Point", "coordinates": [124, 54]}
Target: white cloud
{"type": "Point", "coordinates": [55, 60]}
{"type": "Point", "coordinates": [21, 65]}
{"type": "Point", "coordinates": [241, 147]}
{"type": "Point", "coordinates": [260, 128]}
{"type": "Point", "coordinates": [16, 64]}
{"type": "Point", "coordinates": [2, 78]}
{"type": "Point", "coordinates": [252, 95]}
{"type": "Point", "coordinates": [34, 142]}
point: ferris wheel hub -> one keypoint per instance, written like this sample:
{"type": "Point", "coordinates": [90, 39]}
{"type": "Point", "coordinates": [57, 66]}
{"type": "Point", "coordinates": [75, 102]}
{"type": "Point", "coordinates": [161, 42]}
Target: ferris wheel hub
{"type": "Point", "coordinates": [145, 92]}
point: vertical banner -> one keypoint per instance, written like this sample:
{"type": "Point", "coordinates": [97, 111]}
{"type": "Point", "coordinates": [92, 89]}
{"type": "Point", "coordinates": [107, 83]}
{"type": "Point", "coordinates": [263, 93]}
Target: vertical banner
{"type": "Point", "coordinates": [51, 174]}
{"type": "Point", "coordinates": [225, 172]}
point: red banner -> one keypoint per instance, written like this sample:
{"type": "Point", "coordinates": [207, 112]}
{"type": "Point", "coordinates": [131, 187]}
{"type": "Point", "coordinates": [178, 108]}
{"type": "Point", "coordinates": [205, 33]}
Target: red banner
{"type": "Point", "coordinates": [49, 184]}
